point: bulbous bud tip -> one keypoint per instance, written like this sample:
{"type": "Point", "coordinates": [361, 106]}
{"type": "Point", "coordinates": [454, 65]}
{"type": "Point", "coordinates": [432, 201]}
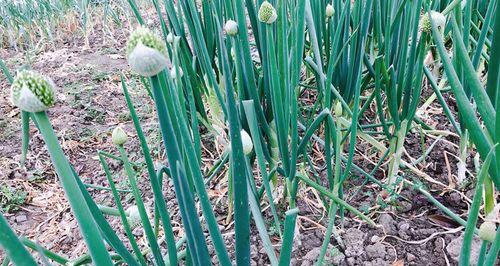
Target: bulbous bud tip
{"type": "Point", "coordinates": [246, 140]}
{"type": "Point", "coordinates": [438, 19]}
{"type": "Point", "coordinates": [173, 73]}
{"type": "Point", "coordinates": [118, 137]}
{"type": "Point", "coordinates": [338, 109]}
{"type": "Point", "coordinates": [231, 27]}
{"type": "Point", "coordinates": [32, 92]}
{"type": "Point", "coordinates": [488, 231]}
{"type": "Point", "coordinates": [146, 52]}
{"type": "Point", "coordinates": [267, 13]}
{"type": "Point", "coordinates": [329, 11]}
{"type": "Point", "coordinates": [170, 37]}
{"type": "Point", "coordinates": [134, 218]}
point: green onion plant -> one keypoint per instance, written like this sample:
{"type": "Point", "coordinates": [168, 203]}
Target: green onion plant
{"type": "Point", "coordinates": [244, 69]}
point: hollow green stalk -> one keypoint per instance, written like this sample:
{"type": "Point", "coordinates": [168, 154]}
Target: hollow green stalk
{"type": "Point", "coordinates": [195, 237]}
{"type": "Point", "coordinates": [121, 212]}
{"type": "Point", "coordinates": [140, 204]}
{"type": "Point", "coordinates": [474, 212]}
{"type": "Point", "coordinates": [154, 177]}
{"type": "Point", "coordinates": [13, 247]}
{"type": "Point", "coordinates": [94, 241]}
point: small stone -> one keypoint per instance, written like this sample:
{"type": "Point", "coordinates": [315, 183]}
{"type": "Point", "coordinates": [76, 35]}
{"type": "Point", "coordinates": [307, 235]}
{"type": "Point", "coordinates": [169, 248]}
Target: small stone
{"type": "Point", "coordinates": [21, 218]}
{"type": "Point", "coordinates": [455, 246]}
{"type": "Point", "coordinates": [410, 257]}
{"type": "Point", "coordinates": [403, 230]}
{"type": "Point", "coordinates": [376, 262]}
{"type": "Point", "coordinates": [353, 240]}
{"type": "Point", "coordinates": [388, 223]}
{"type": "Point", "coordinates": [376, 250]}
{"type": "Point", "coordinates": [403, 226]}
{"type": "Point", "coordinates": [375, 239]}
{"type": "Point", "coordinates": [455, 198]}
{"type": "Point", "coordinates": [332, 256]}
{"type": "Point", "coordinates": [405, 206]}
{"type": "Point", "coordinates": [351, 261]}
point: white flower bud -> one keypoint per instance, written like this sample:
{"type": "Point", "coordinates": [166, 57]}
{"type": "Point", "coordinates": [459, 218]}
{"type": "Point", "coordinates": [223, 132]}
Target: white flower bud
{"type": "Point", "coordinates": [134, 218]}
{"type": "Point", "coordinates": [246, 140]}
{"type": "Point", "coordinates": [173, 73]}
{"type": "Point", "coordinates": [118, 137]}
{"type": "Point", "coordinates": [146, 52]}
{"type": "Point", "coordinates": [329, 10]}
{"type": "Point", "coordinates": [488, 231]}
{"type": "Point", "coordinates": [267, 13]}
{"type": "Point", "coordinates": [438, 19]}
{"type": "Point", "coordinates": [231, 27]}
{"type": "Point", "coordinates": [32, 92]}
{"type": "Point", "coordinates": [170, 37]}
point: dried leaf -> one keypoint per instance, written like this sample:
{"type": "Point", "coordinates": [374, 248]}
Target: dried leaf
{"type": "Point", "coordinates": [443, 220]}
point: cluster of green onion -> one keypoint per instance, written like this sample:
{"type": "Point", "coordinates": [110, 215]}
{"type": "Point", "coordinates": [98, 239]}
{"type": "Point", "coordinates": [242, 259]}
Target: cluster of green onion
{"type": "Point", "coordinates": [359, 55]}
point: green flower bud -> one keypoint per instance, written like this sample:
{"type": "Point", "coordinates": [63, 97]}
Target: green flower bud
{"type": "Point", "coordinates": [231, 27]}
{"type": "Point", "coordinates": [438, 19]}
{"type": "Point", "coordinates": [246, 140]}
{"type": "Point", "coordinates": [338, 109]}
{"type": "Point", "coordinates": [32, 92]}
{"type": "Point", "coordinates": [329, 11]}
{"type": "Point", "coordinates": [134, 218]}
{"type": "Point", "coordinates": [146, 52]}
{"type": "Point", "coordinates": [267, 13]}
{"type": "Point", "coordinates": [118, 137]}
{"type": "Point", "coordinates": [488, 231]}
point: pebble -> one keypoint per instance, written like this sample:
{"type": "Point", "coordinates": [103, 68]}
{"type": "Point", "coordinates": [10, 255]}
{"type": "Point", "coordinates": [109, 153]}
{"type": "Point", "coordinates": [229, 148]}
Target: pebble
{"type": "Point", "coordinates": [376, 250]}
{"type": "Point", "coordinates": [21, 218]}
{"type": "Point", "coordinates": [375, 239]}
{"type": "Point", "coordinates": [387, 222]}
{"type": "Point", "coordinates": [410, 257]}
{"type": "Point", "coordinates": [353, 240]}
{"type": "Point", "coordinates": [455, 246]}
{"type": "Point", "coordinates": [403, 226]}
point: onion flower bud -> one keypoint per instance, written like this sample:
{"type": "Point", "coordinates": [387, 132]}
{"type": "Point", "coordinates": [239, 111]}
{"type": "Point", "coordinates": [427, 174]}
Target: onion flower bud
{"type": "Point", "coordinates": [329, 11]}
{"type": "Point", "coordinates": [231, 27]}
{"type": "Point", "coordinates": [338, 109]}
{"type": "Point", "coordinates": [146, 52]}
{"type": "Point", "coordinates": [32, 92]}
{"type": "Point", "coordinates": [267, 13]}
{"type": "Point", "coordinates": [438, 19]}
{"type": "Point", "coordinates": [246, 140]}
{"type": "Point", "coordinates": [488, 231]}
{"type": "Point", "coordinates": [134, 218]}
{"type": "Point", "coordinates": [118, 137]}
{"type": "Point", "coordinates": [170, 38]}
{"type": "Point", "coordinates": [173, 73]}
